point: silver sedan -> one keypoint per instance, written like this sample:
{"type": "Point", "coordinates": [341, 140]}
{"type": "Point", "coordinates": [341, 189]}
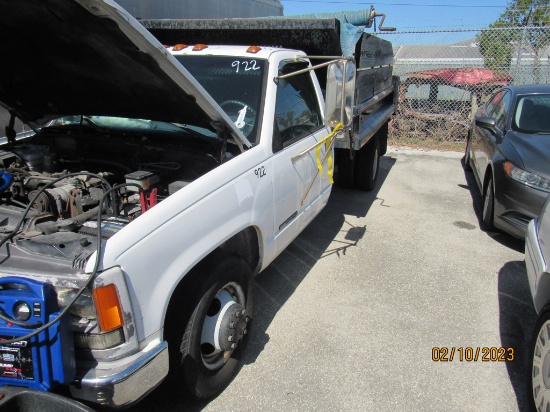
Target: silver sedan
{"type": "Point", "coordinates": [537, 256]}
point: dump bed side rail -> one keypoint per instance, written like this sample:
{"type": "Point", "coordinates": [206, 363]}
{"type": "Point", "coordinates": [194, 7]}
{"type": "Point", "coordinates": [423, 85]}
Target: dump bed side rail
{"type": "Point", "coordinates": [314, 36]}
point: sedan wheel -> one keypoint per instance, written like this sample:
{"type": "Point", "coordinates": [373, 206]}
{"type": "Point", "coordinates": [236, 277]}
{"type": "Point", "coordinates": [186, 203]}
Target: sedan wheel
{"type": "Point", "coordinates": [466, 158]}
{"type": "Point", "coordinates": [488, 208]}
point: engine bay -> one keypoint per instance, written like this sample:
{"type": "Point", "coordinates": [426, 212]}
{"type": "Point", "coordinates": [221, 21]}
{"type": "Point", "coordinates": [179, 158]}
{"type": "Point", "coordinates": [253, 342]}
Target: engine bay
{"type": "Point", "coordinates": [54, 185]}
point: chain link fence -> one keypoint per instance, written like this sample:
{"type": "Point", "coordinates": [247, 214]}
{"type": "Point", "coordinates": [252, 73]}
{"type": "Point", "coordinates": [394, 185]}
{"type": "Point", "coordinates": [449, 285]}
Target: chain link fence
{"type": "Point", "coordinates": [446, 75]}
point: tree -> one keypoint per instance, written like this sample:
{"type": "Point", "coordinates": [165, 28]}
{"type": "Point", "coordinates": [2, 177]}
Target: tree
{"type": "Point", "coordinates": [505, 38]}
{"type": "Point", "coordinates": [521, 13]}
{"type": "Point", "coordinates": [497, 46]}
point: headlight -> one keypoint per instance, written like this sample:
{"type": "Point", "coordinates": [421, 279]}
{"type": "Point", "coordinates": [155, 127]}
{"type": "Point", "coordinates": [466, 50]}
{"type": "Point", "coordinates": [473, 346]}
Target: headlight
{"type": "Point", "coordinates": [84, 305]}
{"type": "Point", "coordinates": [527, 178]}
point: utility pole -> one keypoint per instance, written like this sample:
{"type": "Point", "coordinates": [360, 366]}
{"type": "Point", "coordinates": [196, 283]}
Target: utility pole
{"type": "Point", "coordinates": [520, 49]}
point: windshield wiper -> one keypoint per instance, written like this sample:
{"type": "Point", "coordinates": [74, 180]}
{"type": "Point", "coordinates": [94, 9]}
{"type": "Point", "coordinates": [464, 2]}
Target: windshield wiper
{"type": "Point", "coordinates": [84, 125]}
{"type": "Point", "coordinates": [88, 121]}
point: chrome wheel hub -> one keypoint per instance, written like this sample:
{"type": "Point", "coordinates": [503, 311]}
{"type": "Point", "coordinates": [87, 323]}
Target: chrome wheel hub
{"type": "Point", "coordinates": [224, 326]}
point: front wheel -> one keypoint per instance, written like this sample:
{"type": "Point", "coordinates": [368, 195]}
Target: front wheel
{"type": "Point", "coordinates": [206, 349]}
{"type": "Point", "coordinates": [540, 364]}
{"type": "Point", "coordinates": [466, 158]}
{"type": "Point", "coordinates": [487, 213]}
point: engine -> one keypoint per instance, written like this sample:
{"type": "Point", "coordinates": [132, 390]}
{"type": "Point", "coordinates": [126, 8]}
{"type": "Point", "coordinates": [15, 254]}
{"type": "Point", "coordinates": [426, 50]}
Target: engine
{"type": "Point", "coordinates": [29, 179]}
{"type": "Point", "coordinates": [57, 186]}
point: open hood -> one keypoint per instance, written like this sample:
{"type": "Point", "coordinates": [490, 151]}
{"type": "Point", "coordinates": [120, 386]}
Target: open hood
{"type": "Point", "coordinates": [90, 57]}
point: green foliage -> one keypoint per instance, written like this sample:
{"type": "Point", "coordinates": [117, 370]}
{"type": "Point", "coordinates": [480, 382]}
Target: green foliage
{"type": "Point", "coordinates": [521, 13]}
{"type": "Point", "coordinates": [498, 45]}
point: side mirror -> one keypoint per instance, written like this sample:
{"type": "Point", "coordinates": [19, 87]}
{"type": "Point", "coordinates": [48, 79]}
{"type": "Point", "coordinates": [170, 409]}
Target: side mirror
{"type": "Point", "coordinates": [486, 122]}
{"type": "Point", "coordinates": [340, 93]}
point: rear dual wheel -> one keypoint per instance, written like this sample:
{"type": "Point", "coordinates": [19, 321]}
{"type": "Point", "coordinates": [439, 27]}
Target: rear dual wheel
{"type": "Point", "coordinates": [206, 349]}
{"type": "Point", "coordinates": [361, 171]}
{"type": "Point", "coordinates": [346, 168]}
{"type": "Point", "coordinates": [366, 169]}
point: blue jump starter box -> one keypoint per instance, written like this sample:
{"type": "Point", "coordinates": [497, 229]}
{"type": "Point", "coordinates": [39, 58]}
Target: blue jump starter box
{"type": "Point", "coordinates": [46, 359]}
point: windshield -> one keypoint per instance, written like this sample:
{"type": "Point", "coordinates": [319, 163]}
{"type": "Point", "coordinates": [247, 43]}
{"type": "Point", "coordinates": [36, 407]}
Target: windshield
{"type": "Point", "coordinates": [533, 114]}
{"type": "Point", "coordinates": [21, 129]}
{"type": "Point", "coordinates": [104, 123]}
{"type": "Point", "coordinates": [235, 83]}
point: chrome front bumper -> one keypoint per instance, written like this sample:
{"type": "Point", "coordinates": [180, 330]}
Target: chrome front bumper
{"type": "Point", "coordinates": [120, 385]}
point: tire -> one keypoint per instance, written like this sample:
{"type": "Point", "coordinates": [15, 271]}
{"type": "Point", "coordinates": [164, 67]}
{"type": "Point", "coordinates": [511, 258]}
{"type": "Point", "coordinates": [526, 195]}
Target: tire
{"type": "Point", "coordinates": [344, 175]}
{"type": "Point", "coordinates": [366, 166]}
{"type": "Point", "coordinates": [487, 213]}
{"type": "Point", "coordinates": [206, 347]}
{"type": "Point", "coordinates": [383, 138]}
{"type": "Point", "coordinates": [539, 364]}
{"type": "Point", "coordinates": [466, 158]}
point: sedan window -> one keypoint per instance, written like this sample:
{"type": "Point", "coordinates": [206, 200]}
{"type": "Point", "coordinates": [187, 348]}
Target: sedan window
{"type": "Point", "coordinates": [532, 114]}
{"type": "Point", "coordinates": [493, 102]}
{"type": "Point", "coordinates": [501, 109]}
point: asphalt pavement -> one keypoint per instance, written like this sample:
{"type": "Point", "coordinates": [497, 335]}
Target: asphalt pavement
{"type": "Point", "coordinates": [347, 317]}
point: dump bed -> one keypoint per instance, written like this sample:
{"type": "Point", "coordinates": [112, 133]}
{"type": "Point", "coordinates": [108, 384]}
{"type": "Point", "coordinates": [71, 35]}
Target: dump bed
{"type": "Point", "coordinates": [316, 37]}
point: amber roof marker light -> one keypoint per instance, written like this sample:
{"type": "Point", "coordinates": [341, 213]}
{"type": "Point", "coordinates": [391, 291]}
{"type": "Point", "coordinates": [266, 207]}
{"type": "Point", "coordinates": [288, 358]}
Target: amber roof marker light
{"type": "Point", "coordinates": [199, 47]}
{"type": "Point", "coordinates": [179, 47]}
{"type": "Point", "coordinates": [253, 49]}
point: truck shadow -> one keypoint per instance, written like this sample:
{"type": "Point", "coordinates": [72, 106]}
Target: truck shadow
{"type": "Point", "coordinates": [328, 234]}
{"type": "Point", "coordinates": [517, 318]}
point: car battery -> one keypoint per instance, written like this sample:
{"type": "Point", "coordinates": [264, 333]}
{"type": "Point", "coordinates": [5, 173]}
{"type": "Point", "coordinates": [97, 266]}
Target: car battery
{"type": "Point", "coordinates": [42, 361]}
{"type": "Point", "coordinates": [144, 179]}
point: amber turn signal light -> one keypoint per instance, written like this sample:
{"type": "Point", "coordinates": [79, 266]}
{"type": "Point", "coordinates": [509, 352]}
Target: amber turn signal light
{"type": "Point", "coordinates": [107, 304]}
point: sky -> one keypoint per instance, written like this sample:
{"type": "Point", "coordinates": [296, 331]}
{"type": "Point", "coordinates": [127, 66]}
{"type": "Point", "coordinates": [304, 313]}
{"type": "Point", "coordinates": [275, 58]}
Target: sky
{"type": "Point", "coordinates": [412, 15]}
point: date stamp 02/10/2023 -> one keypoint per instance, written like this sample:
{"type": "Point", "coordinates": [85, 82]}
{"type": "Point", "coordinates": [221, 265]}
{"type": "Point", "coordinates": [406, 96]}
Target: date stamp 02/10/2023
{"type": "Point", "coordinates": [472, 354]}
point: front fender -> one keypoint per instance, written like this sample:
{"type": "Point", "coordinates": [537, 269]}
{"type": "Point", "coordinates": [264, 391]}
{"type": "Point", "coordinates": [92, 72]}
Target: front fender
{"type": "Point", "coordinates": [158, 249]}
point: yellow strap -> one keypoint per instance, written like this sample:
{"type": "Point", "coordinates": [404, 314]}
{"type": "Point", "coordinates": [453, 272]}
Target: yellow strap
{"type": "Point", "coordinates": [328, 145]}
{"type": "Point", "coordinates": [329, 162]}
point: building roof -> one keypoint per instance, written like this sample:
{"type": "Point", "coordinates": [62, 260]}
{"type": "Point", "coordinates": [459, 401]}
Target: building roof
{"type": "Point", "coordinates": [466, 49]}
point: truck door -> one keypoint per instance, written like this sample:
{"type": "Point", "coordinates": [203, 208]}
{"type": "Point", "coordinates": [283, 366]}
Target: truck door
{"type": "Point", "coordinates": [300, 190]}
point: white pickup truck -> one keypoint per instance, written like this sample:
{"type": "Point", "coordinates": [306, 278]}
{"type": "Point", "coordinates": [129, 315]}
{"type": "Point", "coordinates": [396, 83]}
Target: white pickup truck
{"type": "Point", "coordinates": [158, 182]}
